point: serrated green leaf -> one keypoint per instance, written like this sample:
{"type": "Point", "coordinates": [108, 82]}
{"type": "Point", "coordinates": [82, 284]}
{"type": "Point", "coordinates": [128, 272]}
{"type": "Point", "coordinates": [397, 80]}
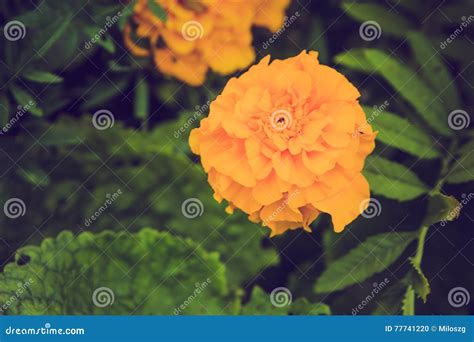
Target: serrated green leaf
{"type": "Point", "coordinates": [370, 257]}
{"type": "Point", "coordinates": [433, 69]}
{"type": "Point", "coordinates": [148, 272]}
{"type": "Point", "coordinates": [42, 76]}
{"type": "Point", "coordinates": [463, 167]}
{"type": "Point", "coordinates": [355, 59]}
{"type": "Point", "coordinates": [412, 88]}
{"type": "Point", "coordinates": [441, 208]}
{"type": "Point", "coordinates": [418, 281]}
{"type": "Point", "coordinates": [261, 304]}
{"type": "Point", "coordinates": [24, 98]}
{"type": "Point", "coordinates": [392, 180]}
{"type": "Point", "coordinates": [402, 134]}
{"type": "Point", "coordinates": [390, 22]}
{"type": "Point", "coordinates": [157, 10]}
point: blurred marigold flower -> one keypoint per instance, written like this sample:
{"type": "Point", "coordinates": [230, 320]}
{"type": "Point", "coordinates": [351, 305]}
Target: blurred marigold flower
{"type": "Point", "coordinates": [286, 141]}
{"type": "Point", "coordinates": [202, 34]}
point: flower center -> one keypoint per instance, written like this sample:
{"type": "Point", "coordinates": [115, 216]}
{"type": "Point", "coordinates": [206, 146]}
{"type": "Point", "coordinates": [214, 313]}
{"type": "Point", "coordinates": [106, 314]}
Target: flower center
{"type": "Point", "coordinates": [280, 120]}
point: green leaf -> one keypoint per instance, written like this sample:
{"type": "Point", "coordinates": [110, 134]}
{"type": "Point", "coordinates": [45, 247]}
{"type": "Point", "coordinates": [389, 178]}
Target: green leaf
{"type": "Point", "coordinates": [355, 59]}
{"type": "Point", "coordinates": [418, 281]}
{"type": "Point", "coordinates": [372, 256]}
{"type": "Point", "coordinates": [146, 273]}
{"type": "Point", "coordinates": [35, 176]}
{"type": "Point", "coordinates": [433, 69]}
{"type": "Point", "coordinates": [158, 10]}
{"type": "Point", "coordinates": [103, 91]}
{"type": "Point", "coordinates": [137, 158]}
{"type": "Point", "coordinates": [42, 77]}
{"type": "Point", "coordinates": [24, 98]}
{"type": "Point", "coordinates": [408, 302]}
{"type": "Point", "coordinates": [142, 98]}
{"type": "Point", "coordinates": [463, 168]}
{"type": "Point", "coordinates": [4, 111]}
{"type": "Point", "coordinates": [412, 88]}
{"type": "Point", "coordinates": [392, 180]}
{"type": "Point", "coordinates": [390, 22]}
{"type": "Point", "coordinates": [390, 301]}
{"type": "Point", "coordinates": [50, 35]}
{"type": "Point", "coordinates": [401, 133]}
{"type": "Point", "coordinates": [441, 208]}
{"type": "Point", "coordinates": [261, 304]}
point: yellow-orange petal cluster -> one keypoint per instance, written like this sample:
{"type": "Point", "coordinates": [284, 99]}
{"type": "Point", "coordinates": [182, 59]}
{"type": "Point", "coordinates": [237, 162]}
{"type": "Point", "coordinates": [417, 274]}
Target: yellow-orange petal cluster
{"type": "Point", "coordinates": [287, 141]}
{"type": "Point", "coordinates": [199, 35]}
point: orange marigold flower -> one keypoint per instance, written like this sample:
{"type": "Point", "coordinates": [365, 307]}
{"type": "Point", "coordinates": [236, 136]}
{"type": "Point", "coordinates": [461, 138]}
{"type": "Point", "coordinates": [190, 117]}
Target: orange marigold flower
{"type": "Point", "coordinates": [202, 34]}
{"type": "Point", "coordinates": [286, 141]}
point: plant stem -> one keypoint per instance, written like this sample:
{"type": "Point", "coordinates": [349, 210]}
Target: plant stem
{"type": "Point", "coordinates": [423, 231]}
